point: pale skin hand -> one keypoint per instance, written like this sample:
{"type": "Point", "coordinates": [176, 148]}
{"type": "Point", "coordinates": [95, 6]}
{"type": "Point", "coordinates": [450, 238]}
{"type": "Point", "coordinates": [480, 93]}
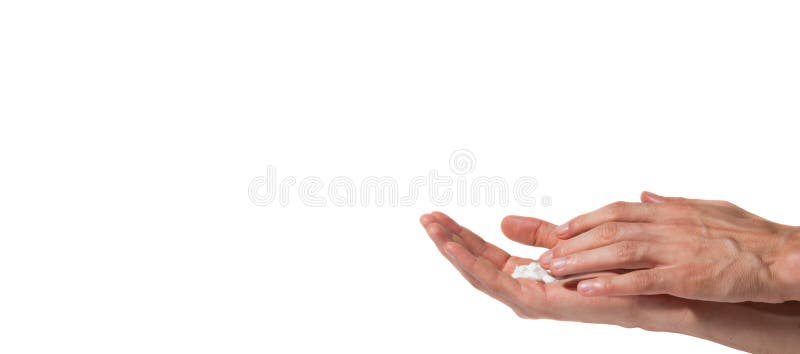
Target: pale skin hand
{"type": "Point", "coordinates": [488, 268]}
{"type": "Point", "coordinates": [761, 328]}
{"type": "Point", "coordinates": [694, 249]}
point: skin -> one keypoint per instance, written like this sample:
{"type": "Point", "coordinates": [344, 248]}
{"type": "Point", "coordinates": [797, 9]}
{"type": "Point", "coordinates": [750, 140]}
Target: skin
{"type": "Point", "coordinates": [761, 328]}
{"type": "Point", "coordinates": [694, 249]}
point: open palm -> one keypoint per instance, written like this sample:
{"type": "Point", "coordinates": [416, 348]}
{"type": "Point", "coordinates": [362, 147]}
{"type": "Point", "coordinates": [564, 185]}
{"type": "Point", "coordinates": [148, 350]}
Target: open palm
{"type": "Point", "coordinates": [488, 268]}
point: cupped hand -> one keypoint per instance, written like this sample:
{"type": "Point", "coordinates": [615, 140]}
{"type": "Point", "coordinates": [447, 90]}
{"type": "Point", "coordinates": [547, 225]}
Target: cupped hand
{"type": "Point", "coordinates": [695, 249]}
{"type": "Point", "coordinates": [488, 268]}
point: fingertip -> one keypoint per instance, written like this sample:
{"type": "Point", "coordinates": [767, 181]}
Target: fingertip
{"type": "Point", "coordinates": [563, 236]}
{"type": "Point", "coordinates": [446, 221]}
{"type": "Point", "coordinates": [434, 228]}
{"type": "Point", "coordinates": [559, 266]}
{"type": "Point", "coordinates": [509, 224]}
{"type": "Point", "coordinates": [439, 215]}
{"type": "Point", "coordinates": [507, 218]}
{"type": "Point", "coordinates": [545, 258]}
{"type": "Point", "coordinates": [528, 231]}
{"type": "Point", "coordinates": [437, 234]}
{"type": "Point", "coordinates": [650, 197]}
{"type": "Point", "coordinates": [562, 231]}
{"type": "Point", "coordinates": [425, 219]}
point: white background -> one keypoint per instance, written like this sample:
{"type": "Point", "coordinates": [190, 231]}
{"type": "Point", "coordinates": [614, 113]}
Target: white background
{"type": "Point", "coordinates": [130, 131]}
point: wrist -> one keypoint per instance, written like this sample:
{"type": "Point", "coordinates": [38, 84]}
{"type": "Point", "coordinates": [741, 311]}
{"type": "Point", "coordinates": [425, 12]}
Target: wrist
{"type": "Point", "coordinates": [785, 269]}
{"type": "Point", "coordinates": [748, 326]}
{"type": "Point", "coordinates": [688, 320]}
{"type": "Point", "coordinates": [664, 313]}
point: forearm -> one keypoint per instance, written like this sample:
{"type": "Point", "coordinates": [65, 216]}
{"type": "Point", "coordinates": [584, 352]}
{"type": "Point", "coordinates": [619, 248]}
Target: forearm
{"type": "Point", "coordinates": [752, 327]}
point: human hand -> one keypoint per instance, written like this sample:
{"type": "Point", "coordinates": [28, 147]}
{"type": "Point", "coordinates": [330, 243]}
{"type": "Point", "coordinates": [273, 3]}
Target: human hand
{"type": "Point", "coordinates": [696, 249]}
{"type": "Point", "coordinates": [757, 328]}
{"type": "Point", "coordinates": [488, 268]}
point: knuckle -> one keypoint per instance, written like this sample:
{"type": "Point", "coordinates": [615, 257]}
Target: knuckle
{"type": "Point", "coordinates": [685, 208]}
{"type": "Point", "coordinates": [730, 245]}
{"type": "Point", "coordinates": [617, 209]}
{"type": "Point", "coordinates": [688, 287]}
{"type": "Point", "coordinates": [608, 232]}
{"type": "Point", "coordinates": [643, 281]}
{"type": "Point", "coordinates": [626, 251]}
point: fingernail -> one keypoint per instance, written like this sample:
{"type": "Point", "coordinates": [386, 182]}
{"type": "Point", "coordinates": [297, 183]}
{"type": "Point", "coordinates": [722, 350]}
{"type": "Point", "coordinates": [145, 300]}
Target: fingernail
{"type": "Point", "coordinates": [545, 258]}
{"type": "Point", "coordinates": [558, 264]}
{"type": "Point", "coordinates": [562, 229]}
{"type": "Point", "coordinates": [588, 286]}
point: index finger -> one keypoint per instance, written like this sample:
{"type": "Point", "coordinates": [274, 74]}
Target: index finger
{"type": "Point", "coordinates": [529, 231]}
{"type": "Point", "coordinates": [617, 211]}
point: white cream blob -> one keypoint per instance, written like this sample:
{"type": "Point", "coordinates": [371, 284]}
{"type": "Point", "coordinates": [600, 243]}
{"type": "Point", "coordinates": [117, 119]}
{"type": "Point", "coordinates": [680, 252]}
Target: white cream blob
{"type": "Point", "coordinates": [533, 271]}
